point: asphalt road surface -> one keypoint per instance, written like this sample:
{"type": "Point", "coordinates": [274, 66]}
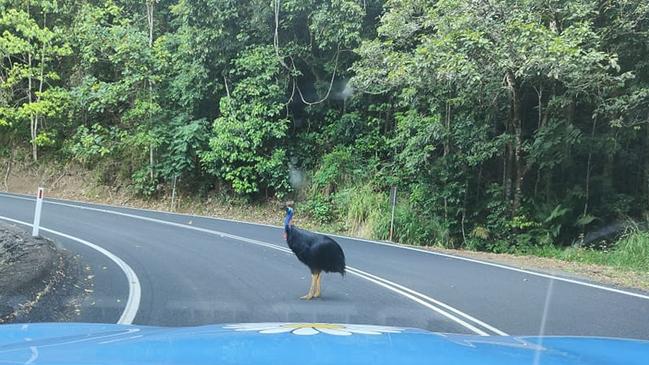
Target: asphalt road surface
{"type": "Point", "coordinates": [155, 268]}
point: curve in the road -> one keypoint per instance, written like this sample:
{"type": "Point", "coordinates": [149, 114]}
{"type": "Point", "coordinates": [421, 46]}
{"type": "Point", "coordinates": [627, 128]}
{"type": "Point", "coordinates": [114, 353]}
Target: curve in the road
{"type": "Point", "coordinates": [181, 291]}
{"type": "Point", "coordinates": [134, 289]}
{"type": "Point", "coordinates": [435, 305]}
{"type": "Point", "coordinates": [440, 254]}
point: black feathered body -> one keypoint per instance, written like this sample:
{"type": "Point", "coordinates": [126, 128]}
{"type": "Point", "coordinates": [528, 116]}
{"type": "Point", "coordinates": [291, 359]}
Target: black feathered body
{"type": "Point", "coordinates": [317, 251]}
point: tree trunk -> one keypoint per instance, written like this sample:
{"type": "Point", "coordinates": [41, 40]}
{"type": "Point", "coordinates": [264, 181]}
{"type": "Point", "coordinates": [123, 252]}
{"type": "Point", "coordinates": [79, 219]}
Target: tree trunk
{"type": "Point", "coordinates": [227, 88]}
{"type": "Point", "coordinates": [447, 140]}
{"type": "Point", "coordinates": [32, 117]}
{"type": "Point", "coordinates": [539, 94]}
{"type": "Point", "coordinates": [466, 193]}
{"type": "Point", "coordinates": [517, 126]}
{"type": "Point", "coordinates": [646, 169]}
{"type": "Point", "coordinates": [149, 16]}
{"type": "Point", "coordinates": [588, 168]}
{"type": "Point", "coordinates": [520, 173]}
{"type": "Point", "coordinates": [9, 165]}
{"type": "Point", "coordinates": [507, 173]}
{"type": "Point", "coordinates": [477, 186]}
{"type": "Point", "coordinates": [540, 124]}
{"type": "Point", "coordinates": [150, 4]}
{"type": "Point", "coordinates": [37, 117]}
{"type": "Point", "coordinates": [447, 149]}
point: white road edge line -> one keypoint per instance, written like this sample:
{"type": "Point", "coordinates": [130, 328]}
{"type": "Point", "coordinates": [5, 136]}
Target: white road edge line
{"type": "Point", "coordinates": [403, 291]}
{"type": "Point", "coordinates": [134, 289]}
{"type": "Point", "coordinates": [394, 245]}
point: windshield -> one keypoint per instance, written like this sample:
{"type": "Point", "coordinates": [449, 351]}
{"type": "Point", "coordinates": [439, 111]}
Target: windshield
{"type": "Point", "coordinates": [462, 167]}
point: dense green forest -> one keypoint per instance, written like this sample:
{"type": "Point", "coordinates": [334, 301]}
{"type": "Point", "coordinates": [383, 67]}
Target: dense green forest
{"type": "Point", "coordinates": [504, 124]}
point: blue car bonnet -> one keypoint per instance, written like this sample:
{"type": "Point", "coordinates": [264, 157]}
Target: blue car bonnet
{"type": "Point", "coordinates": [298, 343]}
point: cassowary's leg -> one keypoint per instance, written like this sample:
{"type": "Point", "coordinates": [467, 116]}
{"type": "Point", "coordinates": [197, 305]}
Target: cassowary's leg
{"type": "Point", "coordinates": [316, 294]}
{"type": "Point", "coordinates": [309, 295]}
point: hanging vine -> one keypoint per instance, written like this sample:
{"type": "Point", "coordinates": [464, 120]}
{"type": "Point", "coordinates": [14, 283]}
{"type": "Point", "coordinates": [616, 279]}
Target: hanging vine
{"type": "Point", "coordinates": [293, 71]}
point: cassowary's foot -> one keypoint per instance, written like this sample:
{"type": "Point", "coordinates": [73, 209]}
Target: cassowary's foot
{"type": "Point", "coordinates": [307, 297]}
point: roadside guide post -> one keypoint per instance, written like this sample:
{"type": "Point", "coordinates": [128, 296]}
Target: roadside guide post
{"type": "Point", "coordinates": [173, 194]}
{"type": "Point", "coordinates": [393, 201]}
{"type": "Point", "coordinates": [37, 213]}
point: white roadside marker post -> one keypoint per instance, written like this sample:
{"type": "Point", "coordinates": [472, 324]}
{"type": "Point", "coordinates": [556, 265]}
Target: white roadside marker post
{"type": "Point", "coordinates": [37, 213]}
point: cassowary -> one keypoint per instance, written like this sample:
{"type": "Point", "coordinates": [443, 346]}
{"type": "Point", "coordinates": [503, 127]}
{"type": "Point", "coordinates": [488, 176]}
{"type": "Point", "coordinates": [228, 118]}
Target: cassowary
{"type": "Point", "coordinates": [318, 252]}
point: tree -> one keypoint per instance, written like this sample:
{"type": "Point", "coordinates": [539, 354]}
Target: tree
{"type": "Point", "coordinates": [245, 149]}
{"type": "Point", "coordinates": [28, 48]}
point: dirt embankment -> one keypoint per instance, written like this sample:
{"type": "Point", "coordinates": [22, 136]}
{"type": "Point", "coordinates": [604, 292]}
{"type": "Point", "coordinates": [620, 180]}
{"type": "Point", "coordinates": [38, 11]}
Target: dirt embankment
{"type": "Point", "coordinates": [39, 282]}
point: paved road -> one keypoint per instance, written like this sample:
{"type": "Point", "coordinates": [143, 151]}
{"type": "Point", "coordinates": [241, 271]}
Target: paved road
{"type": "Point", "coordinates": [195, 270]}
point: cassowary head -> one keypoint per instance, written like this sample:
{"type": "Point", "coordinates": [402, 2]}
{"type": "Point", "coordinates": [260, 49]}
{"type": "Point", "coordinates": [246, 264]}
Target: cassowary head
{"type": "Point", "coordinates": [288, 218]}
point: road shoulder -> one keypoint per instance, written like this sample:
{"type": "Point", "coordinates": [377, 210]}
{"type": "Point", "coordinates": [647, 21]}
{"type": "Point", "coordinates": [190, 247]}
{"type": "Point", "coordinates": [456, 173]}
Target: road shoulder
{"type": "Point", "coordinates": [39, 281]}
{"type": "Point", "coordinates": [574, 270]}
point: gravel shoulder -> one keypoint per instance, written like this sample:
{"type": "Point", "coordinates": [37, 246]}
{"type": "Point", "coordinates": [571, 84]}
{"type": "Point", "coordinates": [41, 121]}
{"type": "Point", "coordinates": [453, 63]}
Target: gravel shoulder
{"type": "Point", "coordinates": [39, 282]}
{"type": "Point", "coordinates": [576, 270]}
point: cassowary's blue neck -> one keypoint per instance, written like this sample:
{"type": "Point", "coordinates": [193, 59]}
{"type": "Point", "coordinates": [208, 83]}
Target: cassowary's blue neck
{"type": "Point", "coordinates": [287, 219]}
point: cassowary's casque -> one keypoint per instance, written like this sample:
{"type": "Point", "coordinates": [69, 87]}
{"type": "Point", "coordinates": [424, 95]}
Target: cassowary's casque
{"type": "Point", "coordinates": [318, 252]}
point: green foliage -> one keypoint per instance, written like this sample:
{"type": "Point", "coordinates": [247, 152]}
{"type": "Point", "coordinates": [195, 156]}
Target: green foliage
{"type": "Point", "coordinates": [632, 251]}
{"type": "Point", "coordinates": [142, 183]}
{"type": "Point", "coordinates": [186, 141]}
{"type": "Point", "coordinates": [30, 48]}
{"type": "Point", "coordinates": [321, 208]}
{"type": "Point", "coordinates": [509, 126]}
{"type": "Point", "coordinates": [88, 145]}
{"type": "Point", "coordinates": [544, 230]}
{"type": "Point", "coordinates": [245, 148]}
{"type": "Point", "coordinates": [336, 169]}
{"type": "Point", "coordinates": [364, 210]}
{"type": "Point", "coordinates": [416, 227]}
{"type": "Point", "coordinates": [337, 24]}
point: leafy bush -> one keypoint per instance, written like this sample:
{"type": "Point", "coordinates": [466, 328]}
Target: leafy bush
{"type": "Point", "coordinates": [321, 208]}
{"type": "Point", "coordinates": [418, 228]}
{"type": "Point", "coordinates": [245, 145]}
{"type": "Point", "coordinates": [632, 251]}
{"type": "Point", "coordinates": [89, 145]}
{"type": "Point", "coordinates": [143, 184]}
{"type": "Point", "coordinates": [182, 146]}
{"type": "Point", "coordinates": [364, 209]}
{"type": "Point", "coordinates": [336, 169]}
